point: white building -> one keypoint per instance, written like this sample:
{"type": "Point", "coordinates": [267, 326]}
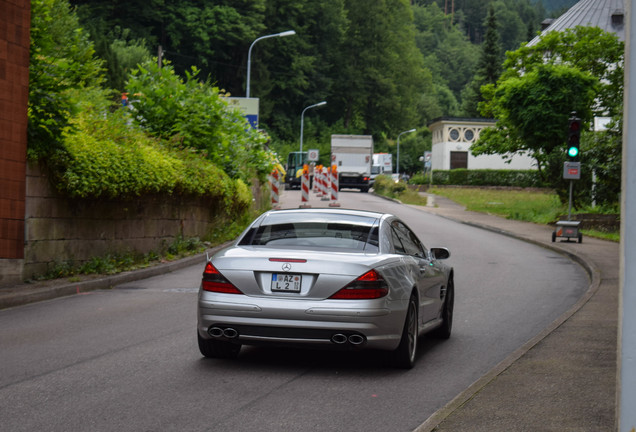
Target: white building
{"type": "Point", "coordinates": [452, 139]}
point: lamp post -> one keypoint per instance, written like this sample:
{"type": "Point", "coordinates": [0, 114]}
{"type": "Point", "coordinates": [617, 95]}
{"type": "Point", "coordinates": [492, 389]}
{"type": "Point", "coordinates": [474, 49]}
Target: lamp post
{"type": "Point", "coordinates": [302, 120]}
{"type": "Point", "coordinates": [398, 150]}
{"type": "Point", "coordinates": [249, 54]}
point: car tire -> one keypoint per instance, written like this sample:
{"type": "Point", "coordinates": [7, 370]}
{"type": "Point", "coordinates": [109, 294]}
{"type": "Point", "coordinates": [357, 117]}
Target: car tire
{"type": "Point", "coordinates": [217, 349]}
{"type": "Point", "coordinates": [404, 354]}
{"type": "Point", "coordinates": [444, 330]}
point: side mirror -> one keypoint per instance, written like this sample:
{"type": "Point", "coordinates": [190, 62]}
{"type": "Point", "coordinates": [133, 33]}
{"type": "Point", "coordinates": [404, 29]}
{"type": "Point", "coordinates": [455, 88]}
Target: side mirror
{"type": "Point", "coordinates": [440, 253]}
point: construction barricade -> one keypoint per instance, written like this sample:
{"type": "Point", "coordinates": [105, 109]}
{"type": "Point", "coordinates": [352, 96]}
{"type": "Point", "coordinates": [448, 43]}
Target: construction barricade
{"type": "Point", "coordinates": [317, 174]}
{"type": "Point", "coordinates": [304, 187]}
{"type": "Point", "coordinates": [334, 187]}
{"type": "Point", "coordinates": [325, 184]}
{"type": "Point", "coordinates": [274, 183]}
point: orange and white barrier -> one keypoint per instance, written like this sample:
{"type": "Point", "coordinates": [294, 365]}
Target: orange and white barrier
{"type": "Point", "coordinates": [304, 186]}
{"type": "Point", "coordinates": [325, 184]}
{"type": "Point", "coordinates": [334, 187]}
{"type": "Point", "coordinates": [317, 174]}
{"type": "Point", "coordinates": [320, 182]}
{"type": "Point", "coordinates": [274, 183]}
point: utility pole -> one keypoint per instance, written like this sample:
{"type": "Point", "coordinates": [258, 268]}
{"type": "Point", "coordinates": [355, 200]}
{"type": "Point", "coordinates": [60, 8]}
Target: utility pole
{"type": "Point", "coordinates": [626, 387]}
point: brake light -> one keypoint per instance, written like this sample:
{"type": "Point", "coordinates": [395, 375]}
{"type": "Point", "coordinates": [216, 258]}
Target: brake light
{"type": "Point", "coordinates": [368, 286]}
{"type": "Point", "coordinates": [290, 260]}
{"type": "Point", "coordinates": [214, 281]}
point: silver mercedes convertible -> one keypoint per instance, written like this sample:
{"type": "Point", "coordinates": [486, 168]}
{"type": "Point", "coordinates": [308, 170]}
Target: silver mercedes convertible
{"type": "Point", "coordinates": [334, 278]}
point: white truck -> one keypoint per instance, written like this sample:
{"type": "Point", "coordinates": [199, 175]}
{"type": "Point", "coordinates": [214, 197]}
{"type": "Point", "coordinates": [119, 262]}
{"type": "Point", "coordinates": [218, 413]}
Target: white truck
{"type": "Point", "coordinates": [352, 155]}
{"type": "Point", "coordinates": [382, 164]}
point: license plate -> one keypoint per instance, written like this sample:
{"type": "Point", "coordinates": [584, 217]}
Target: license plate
{"type": "Point", "coordinates": [286, 282]}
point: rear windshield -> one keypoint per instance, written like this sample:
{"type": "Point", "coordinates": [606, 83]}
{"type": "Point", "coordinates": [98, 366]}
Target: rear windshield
{"type": "Point", "coordinates": [362, 236]}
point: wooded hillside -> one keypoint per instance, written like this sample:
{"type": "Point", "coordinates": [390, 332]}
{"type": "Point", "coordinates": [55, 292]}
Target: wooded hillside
{"type": "Point", "coordinates": [383, 66]}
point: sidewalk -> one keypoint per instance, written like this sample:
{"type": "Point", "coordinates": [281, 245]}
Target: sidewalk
{"type": "Point", "coordinates": [564, 379]}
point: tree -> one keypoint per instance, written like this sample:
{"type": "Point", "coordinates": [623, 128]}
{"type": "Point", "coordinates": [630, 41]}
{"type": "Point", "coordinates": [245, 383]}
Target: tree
{"type": "Point", "coordinates": [589, 51]}
{"type": "Point", "coordinates": [449, 56]}
{"type": "Point", "coordinates": [294, 72]}
{"type": "Point", "coordinates": [61, 58]}
{"type": "Point", "coordinates": [602, 151]}
{"type": "Point", "coordinates": [214, 36]}
{"type": "Point", "coordinates": [381, 69]}
{"type": "Point", "coordinates": [532, 114]}
{"type": "Point", "coordinates": [488, 68]}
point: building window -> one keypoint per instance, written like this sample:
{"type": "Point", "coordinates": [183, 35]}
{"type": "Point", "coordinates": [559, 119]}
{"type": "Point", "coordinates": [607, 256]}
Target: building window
{"type": "Point", "coordinates": [458, 159]}
{"type": "Point", "coordinates": [454, 134]}
{"type": "Point", "coordinates": [469, 135]}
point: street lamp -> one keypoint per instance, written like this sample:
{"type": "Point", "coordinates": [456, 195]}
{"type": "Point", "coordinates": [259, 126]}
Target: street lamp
{"type": "Point", "coordinates": [398, 150]}
{"type": "Point", "coordinates": [249, 54]}
{"type": "Point", "coordinates": [302, 120]}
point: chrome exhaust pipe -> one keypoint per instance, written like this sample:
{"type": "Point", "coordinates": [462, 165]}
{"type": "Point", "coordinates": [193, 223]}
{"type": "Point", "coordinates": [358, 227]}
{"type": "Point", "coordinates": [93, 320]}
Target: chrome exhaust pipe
{"type": "Point", "coordinates": [216, 332]}
{"type": "Point", "coordinates": [339, 338]}
{"type": "Point", "coordinates": [230, 333]}
{"type": "Point", "coordinates": [356, 339]}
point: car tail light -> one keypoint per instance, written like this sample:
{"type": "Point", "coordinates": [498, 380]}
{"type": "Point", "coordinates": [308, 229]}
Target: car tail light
{"type": "Point", "coordinates": [368, 286]}
{"type": "Point", "coordinates": [214, 281]}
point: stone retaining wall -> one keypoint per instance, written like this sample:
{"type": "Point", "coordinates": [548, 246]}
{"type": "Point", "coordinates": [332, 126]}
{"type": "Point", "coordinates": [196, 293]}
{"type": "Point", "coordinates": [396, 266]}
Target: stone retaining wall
{"type": "Point", "coordinates": [60, 229]}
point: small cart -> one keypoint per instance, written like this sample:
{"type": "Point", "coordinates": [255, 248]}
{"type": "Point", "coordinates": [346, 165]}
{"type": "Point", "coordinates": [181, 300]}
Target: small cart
{"type": "Point", "coordinates": [567, 229]}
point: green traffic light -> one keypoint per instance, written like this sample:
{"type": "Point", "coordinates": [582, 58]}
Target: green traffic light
{"type": "Point", "coordinates": [573, 151]}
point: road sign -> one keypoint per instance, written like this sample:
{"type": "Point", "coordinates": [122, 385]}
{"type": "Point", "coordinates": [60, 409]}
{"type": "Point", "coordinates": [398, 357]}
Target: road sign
{"type": "Point", "coordinates": [312, 155]}
{"type": "Point", "coordinates": [248, 106]}
{"type": "Point", "coordinates": [572, 170]}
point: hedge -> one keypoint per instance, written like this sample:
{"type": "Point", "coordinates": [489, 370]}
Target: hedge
{"type": "Point", "coordinates": [483, 177]}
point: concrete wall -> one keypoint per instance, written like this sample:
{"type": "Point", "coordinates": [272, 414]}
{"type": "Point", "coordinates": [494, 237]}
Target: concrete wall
{"type": "Point", "coordinates": [60, 229]}
{"type": "Point", "coordinates": [15, 19]}
{"type": "Point", "coordinates": [441, 158]}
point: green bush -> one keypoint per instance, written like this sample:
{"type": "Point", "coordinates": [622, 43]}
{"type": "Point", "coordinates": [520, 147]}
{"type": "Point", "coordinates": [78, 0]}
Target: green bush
{"type": "Point", "coordinates": [193, 114]}
{"type": "Point", "coordinates": [385, 185]}
{"type": "Point", "coordinates": [105, 155]}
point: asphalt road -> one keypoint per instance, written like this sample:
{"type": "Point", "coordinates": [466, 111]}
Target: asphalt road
{"type": "Point", "coordinates": [126, 359]}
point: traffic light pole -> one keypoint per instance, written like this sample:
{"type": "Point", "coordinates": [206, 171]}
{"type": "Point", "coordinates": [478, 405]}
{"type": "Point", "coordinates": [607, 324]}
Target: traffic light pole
{"type": "Point", "coordinates": [570, 201]}
{"type": "Point", "coordinates": [571, 171]}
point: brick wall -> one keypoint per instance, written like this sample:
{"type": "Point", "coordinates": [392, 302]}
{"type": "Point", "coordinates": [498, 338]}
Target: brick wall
{"type": "Point", "coordinates": [15, 17]}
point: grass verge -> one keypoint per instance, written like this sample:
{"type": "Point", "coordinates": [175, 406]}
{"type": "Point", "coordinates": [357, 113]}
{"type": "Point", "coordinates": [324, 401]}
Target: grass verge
{"type": "Point", "coordinates": [525, 205]}
{"type": "Point", "coordinates": [530, 206]}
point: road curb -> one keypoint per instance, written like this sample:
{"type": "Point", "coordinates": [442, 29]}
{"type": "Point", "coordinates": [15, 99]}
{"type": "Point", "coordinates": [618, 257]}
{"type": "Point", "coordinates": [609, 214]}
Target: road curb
{"type": "Point", "coordinates": [35, 293]}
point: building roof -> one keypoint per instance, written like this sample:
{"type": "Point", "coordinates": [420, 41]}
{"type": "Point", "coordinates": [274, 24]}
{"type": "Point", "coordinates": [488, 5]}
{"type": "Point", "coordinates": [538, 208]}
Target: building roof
{"type": "Point", "coordinates": [461, 120]}
{"type": "Point", "coordinates": [606, 14]}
